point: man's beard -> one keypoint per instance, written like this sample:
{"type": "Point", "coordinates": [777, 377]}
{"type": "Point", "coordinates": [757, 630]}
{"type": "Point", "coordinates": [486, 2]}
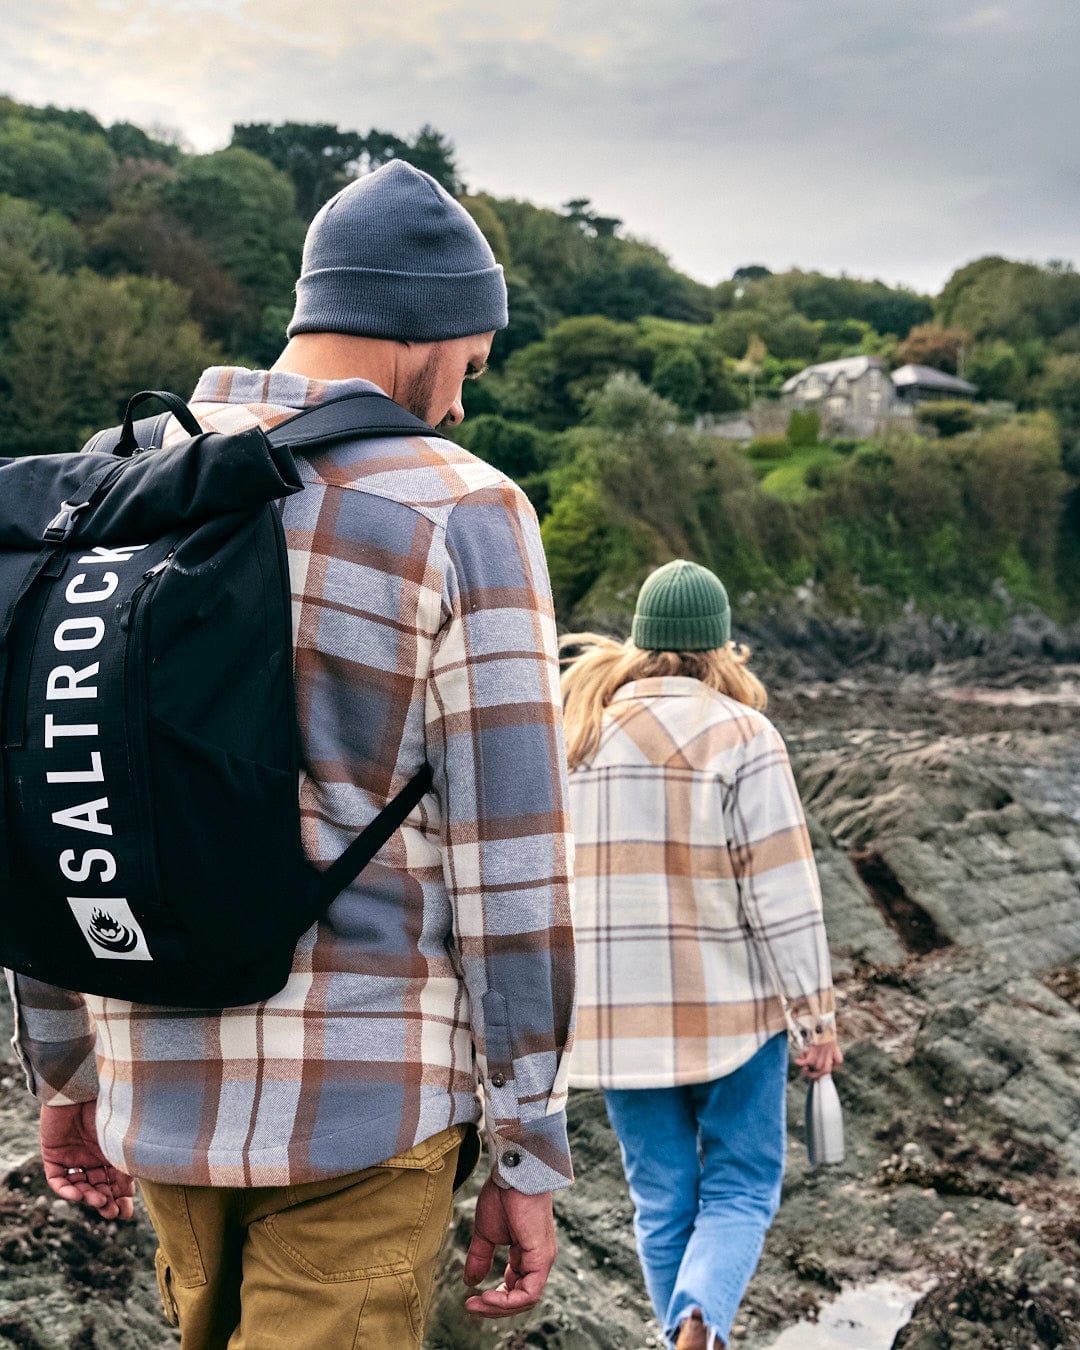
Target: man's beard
{"type": "Point", "coordinates": [416, 397]}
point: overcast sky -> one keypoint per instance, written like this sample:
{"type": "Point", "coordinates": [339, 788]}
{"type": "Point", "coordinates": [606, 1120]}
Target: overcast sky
{"type": "Point", "coordinates": [891, 138]}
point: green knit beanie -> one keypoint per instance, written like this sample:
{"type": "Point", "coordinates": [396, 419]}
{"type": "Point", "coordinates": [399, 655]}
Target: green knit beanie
{"type": "Point", "coordinates": [682, 607]}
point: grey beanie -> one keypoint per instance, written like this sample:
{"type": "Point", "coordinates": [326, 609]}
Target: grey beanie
{"type": "Point", "coordinates": [393, 255]}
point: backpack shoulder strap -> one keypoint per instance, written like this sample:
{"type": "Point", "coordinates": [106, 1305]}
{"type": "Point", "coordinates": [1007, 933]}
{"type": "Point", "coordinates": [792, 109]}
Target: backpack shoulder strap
{"type": "Point", "coordinates": [363, 848]}
{"type": "Point", "coordinates": [352, 416]}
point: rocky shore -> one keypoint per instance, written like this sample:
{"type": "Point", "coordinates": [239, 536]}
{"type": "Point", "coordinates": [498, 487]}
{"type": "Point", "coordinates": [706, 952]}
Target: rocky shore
{"type": "Point", "coordinates": [944, 800]}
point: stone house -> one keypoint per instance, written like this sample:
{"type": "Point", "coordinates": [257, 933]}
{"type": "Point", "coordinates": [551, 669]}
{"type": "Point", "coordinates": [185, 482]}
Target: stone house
{"type": "Point", "coordinates": [853, 396]}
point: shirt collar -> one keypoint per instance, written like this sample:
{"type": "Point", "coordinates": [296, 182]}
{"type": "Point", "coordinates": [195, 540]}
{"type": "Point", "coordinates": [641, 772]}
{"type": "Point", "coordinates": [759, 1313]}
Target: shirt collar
{"type": "Point", "coordinates": [280, 388]}
{"type": "Point", "coordinates": [666, 686]}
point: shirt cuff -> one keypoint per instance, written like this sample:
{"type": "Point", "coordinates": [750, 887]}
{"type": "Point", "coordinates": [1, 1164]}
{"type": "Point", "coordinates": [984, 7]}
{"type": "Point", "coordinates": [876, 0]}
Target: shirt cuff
{"type": "Point", "coordinates": [529, 1156]}
{"type": "Point", "coordinates": [811, 1021]}
{"type": "Point", "coordinates": [54, 1042]}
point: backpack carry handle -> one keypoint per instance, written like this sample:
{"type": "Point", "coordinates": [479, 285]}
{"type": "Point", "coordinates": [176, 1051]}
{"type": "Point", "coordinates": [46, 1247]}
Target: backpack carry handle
{"type": "Point", "coordinates": [128, 443]}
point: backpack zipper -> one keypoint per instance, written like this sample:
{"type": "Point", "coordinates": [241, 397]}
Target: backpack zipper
{"type": "Point", "coordinates": [137, 699]}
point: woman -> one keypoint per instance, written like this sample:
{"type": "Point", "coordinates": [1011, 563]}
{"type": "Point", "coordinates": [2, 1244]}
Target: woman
{"type": "Point", "coordinates": [700, 939]}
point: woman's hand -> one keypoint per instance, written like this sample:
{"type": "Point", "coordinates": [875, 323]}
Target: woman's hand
{"type": "Point", "coordinates": [818, 1060]}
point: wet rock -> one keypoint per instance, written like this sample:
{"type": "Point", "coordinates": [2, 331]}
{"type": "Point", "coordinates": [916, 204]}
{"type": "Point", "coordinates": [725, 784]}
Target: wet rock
{"type": "Point", "coordinates": [960, 1088]}
{"type": "Point", "coordinates": [976, 850]}
{"type": "Point", "coordinates": [979, 1308]}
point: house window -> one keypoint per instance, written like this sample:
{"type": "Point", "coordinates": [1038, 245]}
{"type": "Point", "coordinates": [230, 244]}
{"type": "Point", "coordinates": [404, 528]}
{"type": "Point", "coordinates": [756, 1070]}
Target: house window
{"type": "Point", "coordinates": [837, 404]}
{"type": "Point", "coordinates": [874, 400]}
{"type": "Point", "coordinates": [875, 379]}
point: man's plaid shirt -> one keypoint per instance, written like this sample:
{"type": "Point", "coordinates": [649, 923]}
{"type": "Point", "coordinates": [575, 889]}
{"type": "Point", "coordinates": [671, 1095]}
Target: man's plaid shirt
{"type": "Point", "coordinates": [697, 908]}
{"type": "Point", "coordinates": [423, 629]}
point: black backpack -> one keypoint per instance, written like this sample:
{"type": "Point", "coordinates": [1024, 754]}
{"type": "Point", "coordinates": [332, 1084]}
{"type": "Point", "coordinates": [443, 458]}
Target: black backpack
{"type": "Point", "coordinates": [149, 751]}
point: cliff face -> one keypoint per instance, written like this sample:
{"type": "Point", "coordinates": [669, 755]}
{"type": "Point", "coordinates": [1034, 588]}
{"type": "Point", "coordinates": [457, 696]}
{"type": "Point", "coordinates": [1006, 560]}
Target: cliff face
{"type": "Point", "coordinates": [947, 831]}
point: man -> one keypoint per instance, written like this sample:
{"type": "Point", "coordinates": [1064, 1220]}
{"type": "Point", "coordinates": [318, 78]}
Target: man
{"type": "Point", "coordinates": [298, 1157]}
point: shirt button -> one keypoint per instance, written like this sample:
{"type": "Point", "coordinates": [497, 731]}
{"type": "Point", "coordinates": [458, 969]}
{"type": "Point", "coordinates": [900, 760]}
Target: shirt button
{"type": "Point", "coordinates": [511, 1159]}
{"type": "Point", "coordinates": [498, 1080]}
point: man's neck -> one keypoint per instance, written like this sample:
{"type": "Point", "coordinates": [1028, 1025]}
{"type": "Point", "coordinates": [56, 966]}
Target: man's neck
{"type": "Point", "coordinates": [334, 356]}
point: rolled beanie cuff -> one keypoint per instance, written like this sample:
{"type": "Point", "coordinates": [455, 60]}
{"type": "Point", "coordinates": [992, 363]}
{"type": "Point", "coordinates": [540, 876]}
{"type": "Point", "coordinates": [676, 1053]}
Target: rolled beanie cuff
{"type": "Point", "coordinates": [685, 633]}
{"type": "Point", "coordinates": [407, 306]}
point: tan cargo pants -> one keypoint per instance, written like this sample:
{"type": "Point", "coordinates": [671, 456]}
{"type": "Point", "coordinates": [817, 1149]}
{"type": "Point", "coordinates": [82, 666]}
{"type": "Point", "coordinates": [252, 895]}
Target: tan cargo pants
{"type": "Point", "coordinates": [341, 1264]}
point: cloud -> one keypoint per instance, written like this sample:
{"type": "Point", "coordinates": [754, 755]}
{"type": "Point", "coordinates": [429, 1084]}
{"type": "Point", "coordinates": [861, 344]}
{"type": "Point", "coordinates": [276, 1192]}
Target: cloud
{"type": "Point", "coordinates": [831, 132]}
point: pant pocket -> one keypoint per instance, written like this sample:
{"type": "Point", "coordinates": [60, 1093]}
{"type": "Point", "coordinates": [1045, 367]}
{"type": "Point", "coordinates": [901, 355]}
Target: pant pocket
{"type": "Point", "coordinates": [366, 1231]}
{"type": "Point", "coordinates": [468, 1156]}
{"type": "Point", "coordinates": [164, 1281]}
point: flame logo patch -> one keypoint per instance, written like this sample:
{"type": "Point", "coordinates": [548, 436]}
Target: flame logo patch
{"type": "Point", "coordinates": [111, 931]}
{"type": "Point", "coordinates": [107, 932]}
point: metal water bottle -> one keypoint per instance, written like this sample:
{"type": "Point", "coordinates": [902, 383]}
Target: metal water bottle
{"type": "Point", "coordinates": [824, 1123]}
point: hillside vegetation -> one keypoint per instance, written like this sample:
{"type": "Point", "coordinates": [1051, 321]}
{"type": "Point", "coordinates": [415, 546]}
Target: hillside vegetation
{"type": "Point", "coordinates": [127, 262]}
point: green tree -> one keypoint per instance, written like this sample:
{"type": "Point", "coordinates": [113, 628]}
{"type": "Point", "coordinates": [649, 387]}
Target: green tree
{"type": "Point", "coordinates": [678, 376]}
{"type": "Point", "coordinates": [792, 337]}
{"type": "Point", "coordinates": [1014, 493]}
{"type": "Point", "coordinates": [994, 297]}
{"type": "Point", "coordinates": [318, 157]}
{"type": "Point", "coordinates": [803, 428]}
{"type": "Point", "coordinates": [577, 264]}
{"type": "Point", "coordinates": [552, 379]}
{"type": "Point", "coordinates": [1059, 389]}
{"type": "Point", "coordinates": [56, 166]}
{"type": "Point", "coordinates": [928, 344]}
{"type": "Point", "coordinates": [995, 368]}
{"type": "Point", "coordinates": [529, 320]}
{"type": "Point", "coordinates": [127, 141]}
{"type": "Point", "coordinates": [887, 309]}
{"type": "Point", "coordinates": [433, 152]}
{"type": "Point", "coordinates": [547, 249]}
{"type": "Point", "coordinates": [574, 537]}
{"type": "Point", "coordinates": [82, 345]}
{"type": "Point", "coordinates": [646, 465]}
{"type": "Point", "coordinates": [733, 330]}
{"type": "Point", "coordinates": [580, 213]}
{"type": "Point", "coordinates": [32, 242]}
{"type": "Point", "coordinates": [140, 239]}
{"type": "Point", "coordinates": [680, 494]}
{"type": "Point", "coordinates": [515, 448]}
{"type": "Point", "coordinates": [492, 228]}
{"type": "Point", "coordinates": [665, 339]}
{"type": "Point", "coordinates": [243, 211]}
{"type": "Point", "coordinates": [948, 417]}
{"type": "Point", "coordinates": [47, 238]}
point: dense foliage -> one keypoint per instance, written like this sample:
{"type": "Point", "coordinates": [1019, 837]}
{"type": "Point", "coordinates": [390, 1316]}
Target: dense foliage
{"type": "Point", "coordinates": [126, 261]}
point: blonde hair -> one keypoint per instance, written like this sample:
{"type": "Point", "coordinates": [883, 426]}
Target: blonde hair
{"type": "Point", "coordinates": [592, 677]}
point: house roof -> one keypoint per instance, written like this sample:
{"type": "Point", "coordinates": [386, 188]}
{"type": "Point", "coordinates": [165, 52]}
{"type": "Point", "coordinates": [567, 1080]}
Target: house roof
{"type": "Point", "coordinates": [926, 377]}
{"type": "Point", "coordinates": [850, 367]}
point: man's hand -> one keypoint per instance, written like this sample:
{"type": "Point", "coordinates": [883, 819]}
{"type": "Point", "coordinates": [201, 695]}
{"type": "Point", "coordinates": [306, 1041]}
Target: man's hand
{"type": "Point", "coordinates": [818, 1060]}
{"type": "Point", "coordinates": [526, 1225]}
{"type": "Point", "coordinates": [75, 1167]}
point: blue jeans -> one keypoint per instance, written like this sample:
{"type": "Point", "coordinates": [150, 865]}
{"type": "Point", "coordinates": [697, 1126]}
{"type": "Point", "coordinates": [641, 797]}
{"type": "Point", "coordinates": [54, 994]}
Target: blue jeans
{"type": "Point", "coordinates": [704, 1165]}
